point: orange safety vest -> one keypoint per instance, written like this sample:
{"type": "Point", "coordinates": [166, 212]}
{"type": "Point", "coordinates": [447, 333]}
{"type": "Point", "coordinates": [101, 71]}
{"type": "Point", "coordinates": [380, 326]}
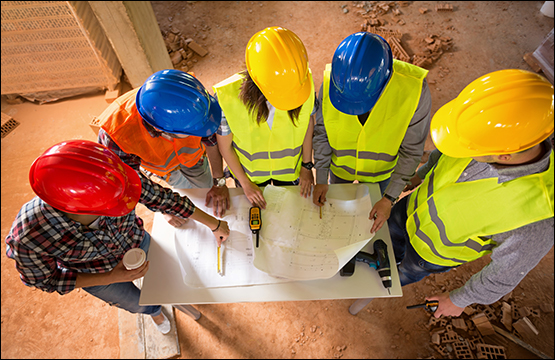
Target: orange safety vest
{"type": "Point", "coordinates": [122, 121]}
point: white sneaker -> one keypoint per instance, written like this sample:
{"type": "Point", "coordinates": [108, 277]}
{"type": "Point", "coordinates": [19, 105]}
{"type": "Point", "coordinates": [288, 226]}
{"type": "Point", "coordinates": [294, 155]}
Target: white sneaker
{"type": "Point", "coordinates": [165, 326]}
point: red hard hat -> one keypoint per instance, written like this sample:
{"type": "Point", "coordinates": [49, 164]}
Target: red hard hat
{"type": "Point", "coordinates": [84, 177]}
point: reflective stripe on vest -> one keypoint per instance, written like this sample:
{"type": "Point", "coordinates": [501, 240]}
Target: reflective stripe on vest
{"type": "Point", "coordinates": [122, 121]}
{"type": "Point", "coordinates": [369, 153]}
{"type": "Point", "coordinates": [263, 153]}
{"type": "Point", "coordinates": [451, 223]}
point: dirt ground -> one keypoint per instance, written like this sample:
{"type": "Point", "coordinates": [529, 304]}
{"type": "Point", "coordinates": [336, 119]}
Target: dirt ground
{"type": "Point", "coordinates": [486, 36]}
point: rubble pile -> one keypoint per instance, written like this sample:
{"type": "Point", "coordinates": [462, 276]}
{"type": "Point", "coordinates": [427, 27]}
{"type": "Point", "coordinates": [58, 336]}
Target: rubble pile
{"type": "Point", "coordinates": [183, 50]}
{"type": "Point", "coordinates": [473, 335]}
{"type": "Point", "coordinates": [433, 46]}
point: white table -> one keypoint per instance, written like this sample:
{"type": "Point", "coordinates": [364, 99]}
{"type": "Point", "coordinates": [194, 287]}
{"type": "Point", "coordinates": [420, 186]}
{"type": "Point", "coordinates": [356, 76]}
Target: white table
{"type": "Point", "coordinates": [163, 283]}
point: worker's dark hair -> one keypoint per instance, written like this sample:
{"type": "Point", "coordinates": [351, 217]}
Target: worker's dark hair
{"type": "Point", "coordinates": [255, 101]}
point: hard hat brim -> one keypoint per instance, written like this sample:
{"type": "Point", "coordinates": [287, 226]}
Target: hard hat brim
{"type": "Point", "coordinates": [444, 133]}
{"type": "Point", "coordinates": [212, 123]}
{"type": "Point", "coordinates": [132, 194]}
{"type": "Point", "coordinates": [291, 101]}
{"type": "Point", "coordinates": [348, 106]}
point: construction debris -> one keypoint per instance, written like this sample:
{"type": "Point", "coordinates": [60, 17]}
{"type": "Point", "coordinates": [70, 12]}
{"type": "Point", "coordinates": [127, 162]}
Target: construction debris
{"type": "Point", "coordinates": [475, 334]}
{"type": "Point", "coordinates": [434, 45]}
{"type": "Point", "coordinates": [444, 7]}
{"type": "Point", "coordinates": [182, 50]}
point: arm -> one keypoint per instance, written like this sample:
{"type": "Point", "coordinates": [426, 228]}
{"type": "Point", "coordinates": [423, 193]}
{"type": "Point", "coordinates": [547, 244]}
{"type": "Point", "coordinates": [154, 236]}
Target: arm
{"type": "Point", "coordinates": [158, 198]}
{"type": "Point", "coordinates": [410, 154]}
{"type": "Point", "coordinates": [517, 253]}
{"type": "Point", "coordinates": [322, 156]}
{"type": "Point", "coordinates": [219, 195]}
{"type": "Point", "coordinates": [306, 179]}
{"type": "Point", "coordinates": [252, 191]}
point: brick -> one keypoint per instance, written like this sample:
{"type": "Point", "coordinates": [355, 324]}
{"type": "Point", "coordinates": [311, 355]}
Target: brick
{"type": "Point", "coordinates": [95, 125]}
{"type": "Point", "coordinates": [397, 50]}
{"type": "Point", "coordinates": [112, 95]}
{"type": "Point", "coordinates": [422, 10]}
{"type": "Point", "coordinates": [459, 324]}
{"type": "Point", "coordinates": [524, 311]}
{"type": "Point", "coordinates": [525, 326]}
{"type": "Point", "coordinates": [197, 48]}
{"type": "Point", "coordinates": [482, 324]}
{"type": "Point", "coordinates": [462, 349]}
{"type": "Point", "coordinates": [469, 310]}
{"type": "Point", "coordinates": [506, 317]}
{"type": "Point", "coordinates": [444, 7]}
{"type": "Point", "coordinates": [484, 351]}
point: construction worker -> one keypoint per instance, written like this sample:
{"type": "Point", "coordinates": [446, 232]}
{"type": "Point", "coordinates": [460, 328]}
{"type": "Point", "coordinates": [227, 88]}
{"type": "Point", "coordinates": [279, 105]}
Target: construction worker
{"type": "Point", "coordinates": [75, 232]}
{"type": "Point", "coordinates": [373, 121]}
{"type": "Point", "coordinates": [487, 189]}
{"type": "Point", "coordinates": [164, 127]}
{"type": "Point", "coordinates": [266, 132]}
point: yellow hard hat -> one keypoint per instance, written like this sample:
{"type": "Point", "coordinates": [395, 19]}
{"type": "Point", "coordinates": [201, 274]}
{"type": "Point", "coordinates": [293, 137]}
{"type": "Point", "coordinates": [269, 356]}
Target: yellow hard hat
{"type": "Point", "coordinates": [278, 64]}
{"type": "Point", "coordinates": [502, 112]}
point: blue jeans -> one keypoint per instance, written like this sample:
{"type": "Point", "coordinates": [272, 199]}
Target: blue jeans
{"type": "Point", "coordinates": [125, 295]}
{"type": "Point", "coordinates": [337, 180]}
{"type": "Point", "coordinates": [412, 268]}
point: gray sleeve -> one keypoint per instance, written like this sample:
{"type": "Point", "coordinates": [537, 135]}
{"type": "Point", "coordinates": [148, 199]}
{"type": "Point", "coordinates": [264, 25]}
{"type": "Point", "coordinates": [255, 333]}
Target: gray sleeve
{"type": "Point", "coordinates": [321, 145]}
{"type": "Point", "coordinates": [517, 253]}
{"type": "Point", "coordinates": [432, 160]}
{"type": "Point", "coordinates": [412, 146]}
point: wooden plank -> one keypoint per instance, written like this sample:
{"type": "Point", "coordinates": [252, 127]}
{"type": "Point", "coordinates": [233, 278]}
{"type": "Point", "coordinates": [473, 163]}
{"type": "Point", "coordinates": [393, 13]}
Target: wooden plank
{"type": "Point", "coordinates": [520, 342]}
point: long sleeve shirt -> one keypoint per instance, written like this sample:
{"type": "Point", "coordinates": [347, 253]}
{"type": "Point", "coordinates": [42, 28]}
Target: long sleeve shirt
{"type": "Point", "coordinates": [517, 251]}
{"type": "Point", "coordinates": [50, 249]}
{"type": "Point", "coordinates": [410, 151]}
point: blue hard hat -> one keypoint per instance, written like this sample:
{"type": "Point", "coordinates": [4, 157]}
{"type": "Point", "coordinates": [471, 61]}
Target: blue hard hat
{"type": "Point", "coordinates": [176, 102]}
{"type": "Point", "coordinates": [361, 67]}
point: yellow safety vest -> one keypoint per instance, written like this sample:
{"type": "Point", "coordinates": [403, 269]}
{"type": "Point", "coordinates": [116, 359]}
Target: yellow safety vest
{"type": "Point", "coordinates": [122, 121]}
{"type": "Point", "coordinates": [264, 153]}
{"type": "Point", "coordinates": [369, 153]}
{"type": "Point", "coordinates": [451, 223]}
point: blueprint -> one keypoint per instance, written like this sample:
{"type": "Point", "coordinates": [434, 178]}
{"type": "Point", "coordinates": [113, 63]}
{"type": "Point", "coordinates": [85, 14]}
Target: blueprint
{"type": "Point", "coordinates": [197, 251]}
{"type": "Point", "coordinates": [295, 244]}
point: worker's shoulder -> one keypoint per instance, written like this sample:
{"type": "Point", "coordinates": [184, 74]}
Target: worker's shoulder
{"type": "Point", "coordinates": [233, 78]}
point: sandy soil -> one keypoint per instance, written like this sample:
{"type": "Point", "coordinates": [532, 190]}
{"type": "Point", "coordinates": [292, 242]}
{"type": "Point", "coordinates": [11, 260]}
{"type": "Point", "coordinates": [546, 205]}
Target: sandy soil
{"type": "Point", "coordinates": [486, 36]}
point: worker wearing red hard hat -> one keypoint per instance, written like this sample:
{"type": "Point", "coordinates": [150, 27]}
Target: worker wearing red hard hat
{"type": "Point", "coordinates": [166, 127]}
{"type": "Point", "coordinates": [266, 132]}
{"type": "Point", "coordinates": [486, 189]}
{"type": "Point", "coordinates": [372, 123]}
{"type": "Point", "coordinates": [75, 232]}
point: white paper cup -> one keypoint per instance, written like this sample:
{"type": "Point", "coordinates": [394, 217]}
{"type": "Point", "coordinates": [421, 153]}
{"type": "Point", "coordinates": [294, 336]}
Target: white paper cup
{"type": "Point", "coordinates": [134, 258]}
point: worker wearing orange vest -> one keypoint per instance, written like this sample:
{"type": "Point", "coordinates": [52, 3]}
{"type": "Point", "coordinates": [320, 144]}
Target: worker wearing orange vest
{"type": "Point", "coordinates": [372, 123]}
{"type": "Point", "coordinates": [166, 127]}
{"type": "Point", "coordinates": [487, 189]}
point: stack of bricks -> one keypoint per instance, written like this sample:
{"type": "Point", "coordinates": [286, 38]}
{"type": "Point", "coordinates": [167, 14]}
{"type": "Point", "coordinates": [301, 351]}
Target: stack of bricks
{"type": "Point", "coordinates": [472, 335]}
{"type": "Point", "coordinates": [182, 50]}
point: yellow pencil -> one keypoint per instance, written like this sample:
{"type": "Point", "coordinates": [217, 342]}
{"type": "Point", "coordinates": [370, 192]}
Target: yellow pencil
{"type": "Point", "coordinates": [219, 262]}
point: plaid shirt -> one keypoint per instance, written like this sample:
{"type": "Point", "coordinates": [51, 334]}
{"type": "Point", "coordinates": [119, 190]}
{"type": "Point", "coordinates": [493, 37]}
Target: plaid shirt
{"type": "Point", "coordinates": [50, 249]}
{"type": "Point", "coordinates": [134, 160]}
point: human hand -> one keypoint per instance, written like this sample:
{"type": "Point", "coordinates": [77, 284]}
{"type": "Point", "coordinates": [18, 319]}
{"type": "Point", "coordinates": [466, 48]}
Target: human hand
{"type": "Point", "coordinates": [175, 221]}
{"type": "Point", "coordinates": [306, 180]}
{"type": "Point", "coordinates": [414, 182]}
{"type": "Point", "coordinates": [319, 194]}
{"type": "Point", "coordinates": [222, 232]}
{"type": "Point", "coordinates": [380, 213]}
{"type": "Point", "coordinates": [445, 306]}
{"type": "Point", "coordinates": [120, 274]}
{"type": "Point", "coordinates": [254, 194]}
{"type": "Point", "coordinates": [220, 197]}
